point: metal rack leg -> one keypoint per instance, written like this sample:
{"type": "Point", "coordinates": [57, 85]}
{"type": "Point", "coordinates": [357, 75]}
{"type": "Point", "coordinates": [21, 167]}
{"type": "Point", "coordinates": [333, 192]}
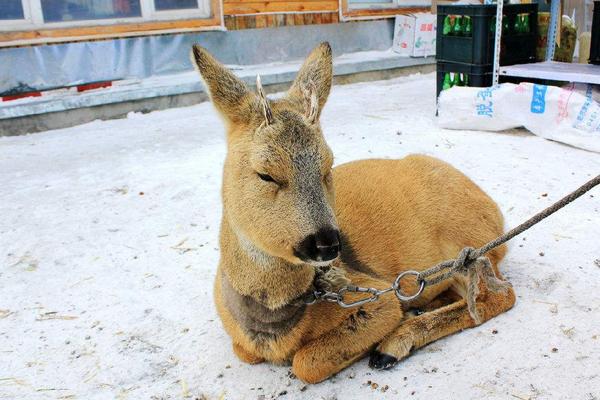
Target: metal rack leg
{"type": "Point", "coordinates": [552, 29]}
{"type": "Point", "coordinates": [497, 41]}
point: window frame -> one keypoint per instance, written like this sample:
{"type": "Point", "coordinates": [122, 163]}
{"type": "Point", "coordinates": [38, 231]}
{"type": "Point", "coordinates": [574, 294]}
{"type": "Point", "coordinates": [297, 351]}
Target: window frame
{"type": "Point", "coordinates": [372, 6]}
{"type": "Point", "coordinates": [33, 30]}
{"type": "Point", "coordinates": [361, 11]}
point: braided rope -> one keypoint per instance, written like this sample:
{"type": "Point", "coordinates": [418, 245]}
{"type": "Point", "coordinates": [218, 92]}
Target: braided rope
{"type": "Point", "coordinates": [468, 255]}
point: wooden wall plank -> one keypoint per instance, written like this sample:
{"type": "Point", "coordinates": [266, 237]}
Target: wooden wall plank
{"type": "Point", "coordinates": [257, 7]}
{"type": "Point", "coordinates": [280, 20]}
{"type": "Point", "coordinates": [230, 23]}
{"type": "Point", "coordinates": [274, 20]}
{"type": "Point", "coordinates": [261, 21]}
{"type": "Point", "coordinates": [242, 23]}
{"type": "Point", "coordinates": [289, 20]}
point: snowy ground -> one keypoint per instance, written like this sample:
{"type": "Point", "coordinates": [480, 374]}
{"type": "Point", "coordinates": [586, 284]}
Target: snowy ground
{"type": "Point", "coordinates": [108, 248]}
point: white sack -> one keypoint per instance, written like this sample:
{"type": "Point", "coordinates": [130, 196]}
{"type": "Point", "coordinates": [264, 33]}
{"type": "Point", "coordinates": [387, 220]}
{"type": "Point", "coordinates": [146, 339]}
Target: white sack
{"type": "Point", "coordinates": [570, 115]}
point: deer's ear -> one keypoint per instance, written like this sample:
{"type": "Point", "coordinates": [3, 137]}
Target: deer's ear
{"type": "Point", "coordinates": [313, 83]}
{"type": "Point", "coordinates": [229, 94]}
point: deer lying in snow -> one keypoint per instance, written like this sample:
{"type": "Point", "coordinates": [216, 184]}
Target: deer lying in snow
{"type": "Point", "coordinates": [284, 233]}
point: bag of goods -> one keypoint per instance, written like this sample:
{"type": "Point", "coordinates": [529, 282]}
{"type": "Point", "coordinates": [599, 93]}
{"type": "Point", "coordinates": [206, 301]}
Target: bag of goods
{"type": "Point", "coordinates": [569, 114]}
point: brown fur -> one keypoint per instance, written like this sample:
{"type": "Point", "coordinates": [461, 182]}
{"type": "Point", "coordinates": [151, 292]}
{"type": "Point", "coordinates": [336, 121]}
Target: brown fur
{"type": "Point", "coordinates": [394, 215]}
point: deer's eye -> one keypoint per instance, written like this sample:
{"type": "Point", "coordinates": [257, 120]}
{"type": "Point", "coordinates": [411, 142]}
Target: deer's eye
{"type": "Point", "coordinates": [265, 177]}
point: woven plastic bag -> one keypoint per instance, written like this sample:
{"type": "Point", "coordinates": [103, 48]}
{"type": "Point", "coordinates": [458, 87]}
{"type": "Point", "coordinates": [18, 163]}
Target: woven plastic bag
{"type": "Point", "coordinates": [570, 114]}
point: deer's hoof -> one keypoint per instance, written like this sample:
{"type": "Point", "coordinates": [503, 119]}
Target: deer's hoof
{"type": "Point", "coordinates": [380, 360]}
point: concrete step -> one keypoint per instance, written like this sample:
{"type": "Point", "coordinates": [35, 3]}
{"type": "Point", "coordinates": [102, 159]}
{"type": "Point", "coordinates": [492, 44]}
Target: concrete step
{"type": "Point", "coordinates": [63, 108]}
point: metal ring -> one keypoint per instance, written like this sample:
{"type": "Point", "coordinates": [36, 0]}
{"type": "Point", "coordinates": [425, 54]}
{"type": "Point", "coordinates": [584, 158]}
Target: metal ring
{"type": "Point", "coordinates": [399, 294]}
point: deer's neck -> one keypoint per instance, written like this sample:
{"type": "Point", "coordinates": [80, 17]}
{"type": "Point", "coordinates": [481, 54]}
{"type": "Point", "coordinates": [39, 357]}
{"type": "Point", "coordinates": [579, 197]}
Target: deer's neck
{"type": "Point", "coordinates": [269, 280]}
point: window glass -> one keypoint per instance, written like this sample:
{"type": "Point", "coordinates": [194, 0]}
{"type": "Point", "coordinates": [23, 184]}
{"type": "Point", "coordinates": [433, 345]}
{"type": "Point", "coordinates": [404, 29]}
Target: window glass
{"type": "Point", "coordinates": [163, 5]}
{"type": "Point", "coordinates": [11, 9]}
{"type": "Point", "coordinates": [78, 10]}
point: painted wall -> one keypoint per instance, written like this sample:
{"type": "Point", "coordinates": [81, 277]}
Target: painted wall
{"type": "Point", "coordinates": [26, 69]}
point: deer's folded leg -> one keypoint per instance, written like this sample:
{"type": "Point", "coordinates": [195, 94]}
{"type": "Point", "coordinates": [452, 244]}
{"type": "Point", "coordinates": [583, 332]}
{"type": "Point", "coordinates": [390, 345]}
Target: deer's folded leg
{"type": "Point", "coordinates": [362, 328]}
{"type": "Point", "coordinates": [421, 330]}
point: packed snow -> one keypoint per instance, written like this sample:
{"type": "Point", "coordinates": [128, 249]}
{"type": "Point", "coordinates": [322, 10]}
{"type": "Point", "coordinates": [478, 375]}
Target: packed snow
{"type": "Point", "coordinates": [109, 246]}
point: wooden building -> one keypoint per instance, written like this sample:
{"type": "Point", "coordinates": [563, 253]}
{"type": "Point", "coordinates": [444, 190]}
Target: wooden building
{"type": "Point", "coordinates": [26, 22]}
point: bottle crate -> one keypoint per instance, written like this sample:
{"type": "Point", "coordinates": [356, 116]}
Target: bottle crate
{"type": "Point", "coordinates": [476, 75]}
{"type": "Point", "coordinates": [519, 34]}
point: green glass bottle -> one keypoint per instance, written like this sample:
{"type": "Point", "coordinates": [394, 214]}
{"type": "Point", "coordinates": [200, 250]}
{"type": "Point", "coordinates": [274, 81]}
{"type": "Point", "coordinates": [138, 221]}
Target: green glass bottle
{"type": "Point", "coordinates": [465, 80]}
{"type": "Point", "coordinates": [526, 27]}
{"type": "Point", "coordinates": [468, 27]}
{"type": "Point", "coordinates": [456, 80]}
{"type": "Point", "coordinates": [447, 26]}
{"type": "Point", "coordinates": [461, 80]}
{"type": "Point", "coordinates": [457, 29]}
{"type": "Point", "coordinates": [447, 82]}
{"type": "Point", "coordinates": [518, 24]}
{"type": "Point", "coordinates": [505, 24]}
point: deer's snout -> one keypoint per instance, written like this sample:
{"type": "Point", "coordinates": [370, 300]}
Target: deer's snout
{"type": "Point", "coordinates": [322, 246]}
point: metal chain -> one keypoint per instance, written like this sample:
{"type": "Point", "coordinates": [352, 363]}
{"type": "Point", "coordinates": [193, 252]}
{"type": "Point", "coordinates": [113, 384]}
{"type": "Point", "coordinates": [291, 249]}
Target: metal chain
{"type": "Point", "coordinates": [338, 297]}
{"type": "Point", "coordinates": [448, 268]}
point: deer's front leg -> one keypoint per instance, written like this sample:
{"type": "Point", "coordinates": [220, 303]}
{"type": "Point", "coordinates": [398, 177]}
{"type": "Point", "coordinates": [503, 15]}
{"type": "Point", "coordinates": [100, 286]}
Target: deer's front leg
{"type": "Point", "coordinates": [246, 356]}
{"type": "Point", "coordinates": [361, 329]}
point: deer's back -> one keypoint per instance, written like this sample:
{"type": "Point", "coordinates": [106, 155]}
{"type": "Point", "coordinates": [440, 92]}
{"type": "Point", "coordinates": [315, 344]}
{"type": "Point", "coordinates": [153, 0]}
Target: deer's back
{"type": "Point", "coordinates": [410, 214]}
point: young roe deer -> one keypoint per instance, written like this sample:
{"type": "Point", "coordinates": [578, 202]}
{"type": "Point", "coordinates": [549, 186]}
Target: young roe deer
{"type": "Point", "coordinates": [282, 224]}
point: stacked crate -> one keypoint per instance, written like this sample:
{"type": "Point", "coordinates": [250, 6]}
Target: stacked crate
{"type": "Point", "coordinates": [467, 49]}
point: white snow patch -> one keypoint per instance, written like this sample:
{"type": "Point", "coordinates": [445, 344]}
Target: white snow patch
{"type": "Point", "coordinates": [108, 249]}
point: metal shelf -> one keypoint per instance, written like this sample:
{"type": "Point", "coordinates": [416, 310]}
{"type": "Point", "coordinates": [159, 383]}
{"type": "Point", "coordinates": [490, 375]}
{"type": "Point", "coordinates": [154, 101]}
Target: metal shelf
{"type": "Point", "coordinates": [548, 69]}
{"type": "Point", "coordinates": [556, 71]}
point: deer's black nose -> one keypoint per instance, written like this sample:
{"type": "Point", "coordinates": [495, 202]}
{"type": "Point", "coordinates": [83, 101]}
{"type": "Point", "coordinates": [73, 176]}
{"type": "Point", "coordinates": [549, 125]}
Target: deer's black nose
{"type": "Point", "coordinates": [324, 245]}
